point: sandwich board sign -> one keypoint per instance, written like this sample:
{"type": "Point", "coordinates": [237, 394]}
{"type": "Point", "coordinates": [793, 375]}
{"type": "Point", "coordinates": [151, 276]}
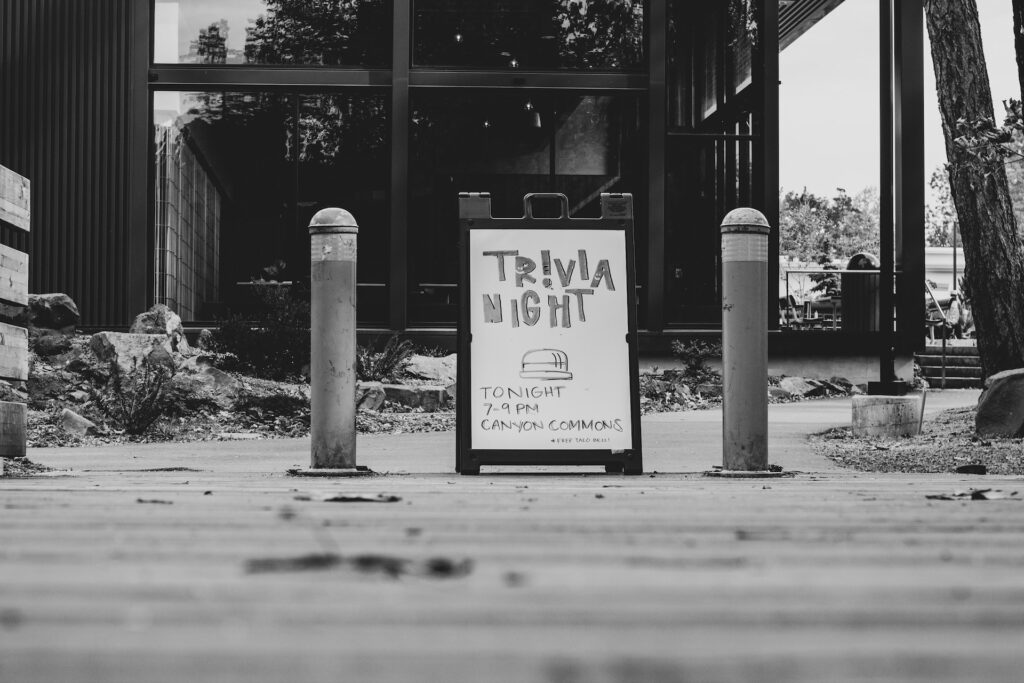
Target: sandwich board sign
{"type": "Point", "coordinates": [547, 338]}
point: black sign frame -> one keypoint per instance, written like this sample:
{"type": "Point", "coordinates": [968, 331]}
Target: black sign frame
{"type": "Point", "coordinates": [475, 213]}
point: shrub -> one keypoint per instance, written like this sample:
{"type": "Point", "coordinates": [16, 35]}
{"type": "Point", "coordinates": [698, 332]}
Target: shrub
{"type": "Point", "coordinates": [134, 401]}
{"type": "Point", "coordinates": [694, 355]}
{"type": "Point", "coordinates": [387, 364]}
{"type": "Point", "coordinates": [273, 342]}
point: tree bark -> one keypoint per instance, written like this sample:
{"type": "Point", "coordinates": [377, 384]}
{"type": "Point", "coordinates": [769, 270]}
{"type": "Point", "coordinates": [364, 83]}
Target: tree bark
{"type": "Point", "coordinates": [1018, 40]}
{"type": "Point", "coordinates": [992, 246]}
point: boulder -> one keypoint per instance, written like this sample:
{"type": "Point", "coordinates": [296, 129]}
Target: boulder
{"type": "Point", "coordinates": [429, 398]}
{"type": "Point", "coordinates": [437, 370]}
{"type": "Point", "coordinates": [710, 390]}
{"type": "Point", "coordinates": [845, 384]}
{"type": "Point", "coordinates": [73, 423]}
{"type": "Point", "coordinates": [162, 320]}
{"type": "Point", "coordinates": [779, 393]}
{"type": "Point", "coordinates": [370, 395]}
{"type": "Point", "coordinates": [798, 386]}
{"type": "Point", "coordinates": [130, 350]}
{"type": "Point", "coordinates": [218, 381]}
{"type": "Point", "coordinates": [1001, 406]}
{"type": "Point", "coordinates": [50, 343]}
{"type": "Point", "coordinates": [53, 312]}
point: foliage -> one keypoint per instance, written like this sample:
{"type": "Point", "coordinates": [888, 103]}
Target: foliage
{"type": "Point", "coordinates": [211, 46]}
{"type": "Point", "coordinates": [323, 32]}
{"type": "Point", "coordinates": [274, 342]}
{"type": "Point", "coordinates": [134, 401]}
{"type": "Point", "coordinates": [814, 229]}
{"type": "Point", "coordinates": [941, 220]}
{"type": "Point", "coordinates": [828, 284]}
{"type": "Point", "coordinates": [989, 145]}
{"type": "Point", "coordinates": [694, 355]}
{"type": "Point", "coordinates": [386, 364]}
{"type": "Point", "coordinates": [606, 34]}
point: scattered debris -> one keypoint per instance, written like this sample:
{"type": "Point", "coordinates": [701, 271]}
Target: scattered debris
{"type": "Point", "coordinates": [154, 501]}
{"type": "Point", "coordinates": [976, 494]}
{"type": "Point", "coordinates": [598, 495]}
{"type": "Point", "coordinates": [393, 567]}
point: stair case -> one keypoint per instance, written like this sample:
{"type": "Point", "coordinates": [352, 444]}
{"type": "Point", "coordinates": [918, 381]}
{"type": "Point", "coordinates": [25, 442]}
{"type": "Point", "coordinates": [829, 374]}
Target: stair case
{"type": "Point", "coordinates": [962, 364]}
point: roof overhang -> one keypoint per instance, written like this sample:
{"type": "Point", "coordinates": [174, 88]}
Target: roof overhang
{"type": "Point", "coordinates": [798, 16]}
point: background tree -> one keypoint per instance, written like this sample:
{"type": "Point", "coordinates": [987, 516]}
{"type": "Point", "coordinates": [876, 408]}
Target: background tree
{"type": "Point", "coordinates": [979, 187]}
{"type": "Point", "coordinates": [211, 45]}
{"type": "Point", "coordinates": [336, 32]}
{"type": "Point", "coordinates": [940, 219]}
{"type": "Point", "coordinates": [606, 34]}
{"type": "Point", "coordinates": [814, 229]}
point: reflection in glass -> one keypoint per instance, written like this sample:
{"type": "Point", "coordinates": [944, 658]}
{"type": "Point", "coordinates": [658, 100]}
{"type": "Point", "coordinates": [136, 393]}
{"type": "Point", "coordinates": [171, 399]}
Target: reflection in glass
{"type": "Point", "coordinates": [529, 34]}
{"type": "Point", "coordinates": [508, 144]}
{"type": "Point", "coordinates": [239, 175]}
{"type": "Point", "coordinates": [338, 32]}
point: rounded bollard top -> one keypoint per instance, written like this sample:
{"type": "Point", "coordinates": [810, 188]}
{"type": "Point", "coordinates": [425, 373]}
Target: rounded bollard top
{"type": "Point", "coordinates": [745, 219]}
{"type": "Point", "coordinates": [333, 219]}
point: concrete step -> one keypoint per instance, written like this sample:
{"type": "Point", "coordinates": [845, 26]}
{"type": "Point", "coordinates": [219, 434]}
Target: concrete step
{"type": "Point", "coordinates": [930, 360]}
{"type": "Point", "coordinates": [955, 383]}
{"type": "Point", "coordinates": [933, 349]}
{"type": "Point", "coordinates": [951, 371]}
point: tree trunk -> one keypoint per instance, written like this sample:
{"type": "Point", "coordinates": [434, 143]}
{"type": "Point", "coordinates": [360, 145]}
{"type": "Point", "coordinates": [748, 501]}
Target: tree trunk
{"type": "Point", "coordinates": [992, 247]}
{"type": "Point", "coordinates": [1018, 40]}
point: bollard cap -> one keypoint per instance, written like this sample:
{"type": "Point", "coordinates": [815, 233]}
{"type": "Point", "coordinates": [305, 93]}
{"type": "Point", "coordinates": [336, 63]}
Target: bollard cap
{"type": "Point", "coordinates": [745, 219]}
{"type": "Point", "coordinates": [326, 219]}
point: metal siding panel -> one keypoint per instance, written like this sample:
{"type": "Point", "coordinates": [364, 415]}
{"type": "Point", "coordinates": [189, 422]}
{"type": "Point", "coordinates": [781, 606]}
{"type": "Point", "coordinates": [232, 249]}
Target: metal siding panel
{"type": "Point", "coordinates": [63, 96]}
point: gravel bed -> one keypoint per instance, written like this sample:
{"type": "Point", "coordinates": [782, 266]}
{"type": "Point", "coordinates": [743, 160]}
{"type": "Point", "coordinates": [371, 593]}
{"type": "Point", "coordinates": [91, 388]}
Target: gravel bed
{"type": "Point", "coordinates": [947, 442]}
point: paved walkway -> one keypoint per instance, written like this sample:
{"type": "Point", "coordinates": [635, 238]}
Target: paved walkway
{"type": "Point", "coordinates": [227, 570]}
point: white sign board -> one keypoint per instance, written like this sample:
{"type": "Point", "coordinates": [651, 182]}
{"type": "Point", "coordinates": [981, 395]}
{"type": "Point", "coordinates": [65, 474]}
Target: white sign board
{"type": "Point", "coordinates": [15, 199]}
{"type": "Point", "coordinates": [550, 362]}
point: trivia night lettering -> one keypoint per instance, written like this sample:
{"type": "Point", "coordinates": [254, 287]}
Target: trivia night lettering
{"type": "Point", "coordinates": [549, 321]}
{"type": "Point", "coordinates": [568, 302]}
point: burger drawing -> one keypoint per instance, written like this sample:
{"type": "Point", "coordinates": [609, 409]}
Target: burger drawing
{"type": "Point", "coordinates": [545, 364]}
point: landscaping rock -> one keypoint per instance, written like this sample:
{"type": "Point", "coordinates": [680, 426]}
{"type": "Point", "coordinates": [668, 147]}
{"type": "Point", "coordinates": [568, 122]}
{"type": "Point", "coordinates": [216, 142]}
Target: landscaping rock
{"type": "Point", "coordinates": [779, 393]}
{"type": "Point", "coordinates": [218, 381]}
{"type": "Point", "coordinates": [73, 423]}
{"type": "Point", "coordinates": [798, 386]}
{"type": "Point", "coordinates": [79, 396]}
{"type": "Point", "coordinates": [846, 385]}
{"type": "Point", "coordinates": [710, 390]}
{"type": "Point", "coordinates": [47, 343]}
{"type": "Point", "coordinates": [162, 320]}
{"type": "Point", "coordinates": [439, 370]}
{"type": "Point", "coordinates": [1001, 406]}
{"type": "Point", "coordinates": [429, 398]}
{"type": "Point", "coordinates": [130, 350]}
{"type": "Point", "coordinates": [370, 395]}
{"type": "Point", "coordinates": [53, 312]}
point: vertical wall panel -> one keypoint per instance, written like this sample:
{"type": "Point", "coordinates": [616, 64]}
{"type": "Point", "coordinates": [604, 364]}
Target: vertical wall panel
{"type": "Point", "coordinates": [64, 95]}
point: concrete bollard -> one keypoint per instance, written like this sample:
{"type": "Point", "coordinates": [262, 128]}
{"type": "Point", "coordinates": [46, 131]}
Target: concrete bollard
{"type": "Point", "coordinates": [333, 339]}
{"type": "Point", "coordinates": [745, 341]}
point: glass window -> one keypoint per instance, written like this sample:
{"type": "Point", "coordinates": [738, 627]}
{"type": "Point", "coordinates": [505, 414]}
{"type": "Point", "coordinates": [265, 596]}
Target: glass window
{"type": "Point", "coordinates": [708, 176]}
{"type": "Point", "coordinates": [530, 34]}
{"type": "Point", "coordinates": [508, 144]}
{"type": "Point", "coordinates": [238, 177]}
{"type": "Point", "coordinates": [338, 33]}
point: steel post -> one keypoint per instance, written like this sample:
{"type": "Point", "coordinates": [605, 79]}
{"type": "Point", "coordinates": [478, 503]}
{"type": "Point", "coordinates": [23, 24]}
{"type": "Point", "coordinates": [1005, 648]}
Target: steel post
{"type": "Point", "coordinates": [745, 340]}
{"type": "Point", "coordinates": [333, 339]}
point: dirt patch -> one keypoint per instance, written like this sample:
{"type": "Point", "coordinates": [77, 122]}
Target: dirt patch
{"type": "Point", "coordinates": [14, 468]}
{"type": "Point", "coordinates": [947, 442]}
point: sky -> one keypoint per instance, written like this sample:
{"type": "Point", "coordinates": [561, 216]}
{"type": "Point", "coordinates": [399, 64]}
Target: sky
{"type": "Point", "coordinates": [829, 133]}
